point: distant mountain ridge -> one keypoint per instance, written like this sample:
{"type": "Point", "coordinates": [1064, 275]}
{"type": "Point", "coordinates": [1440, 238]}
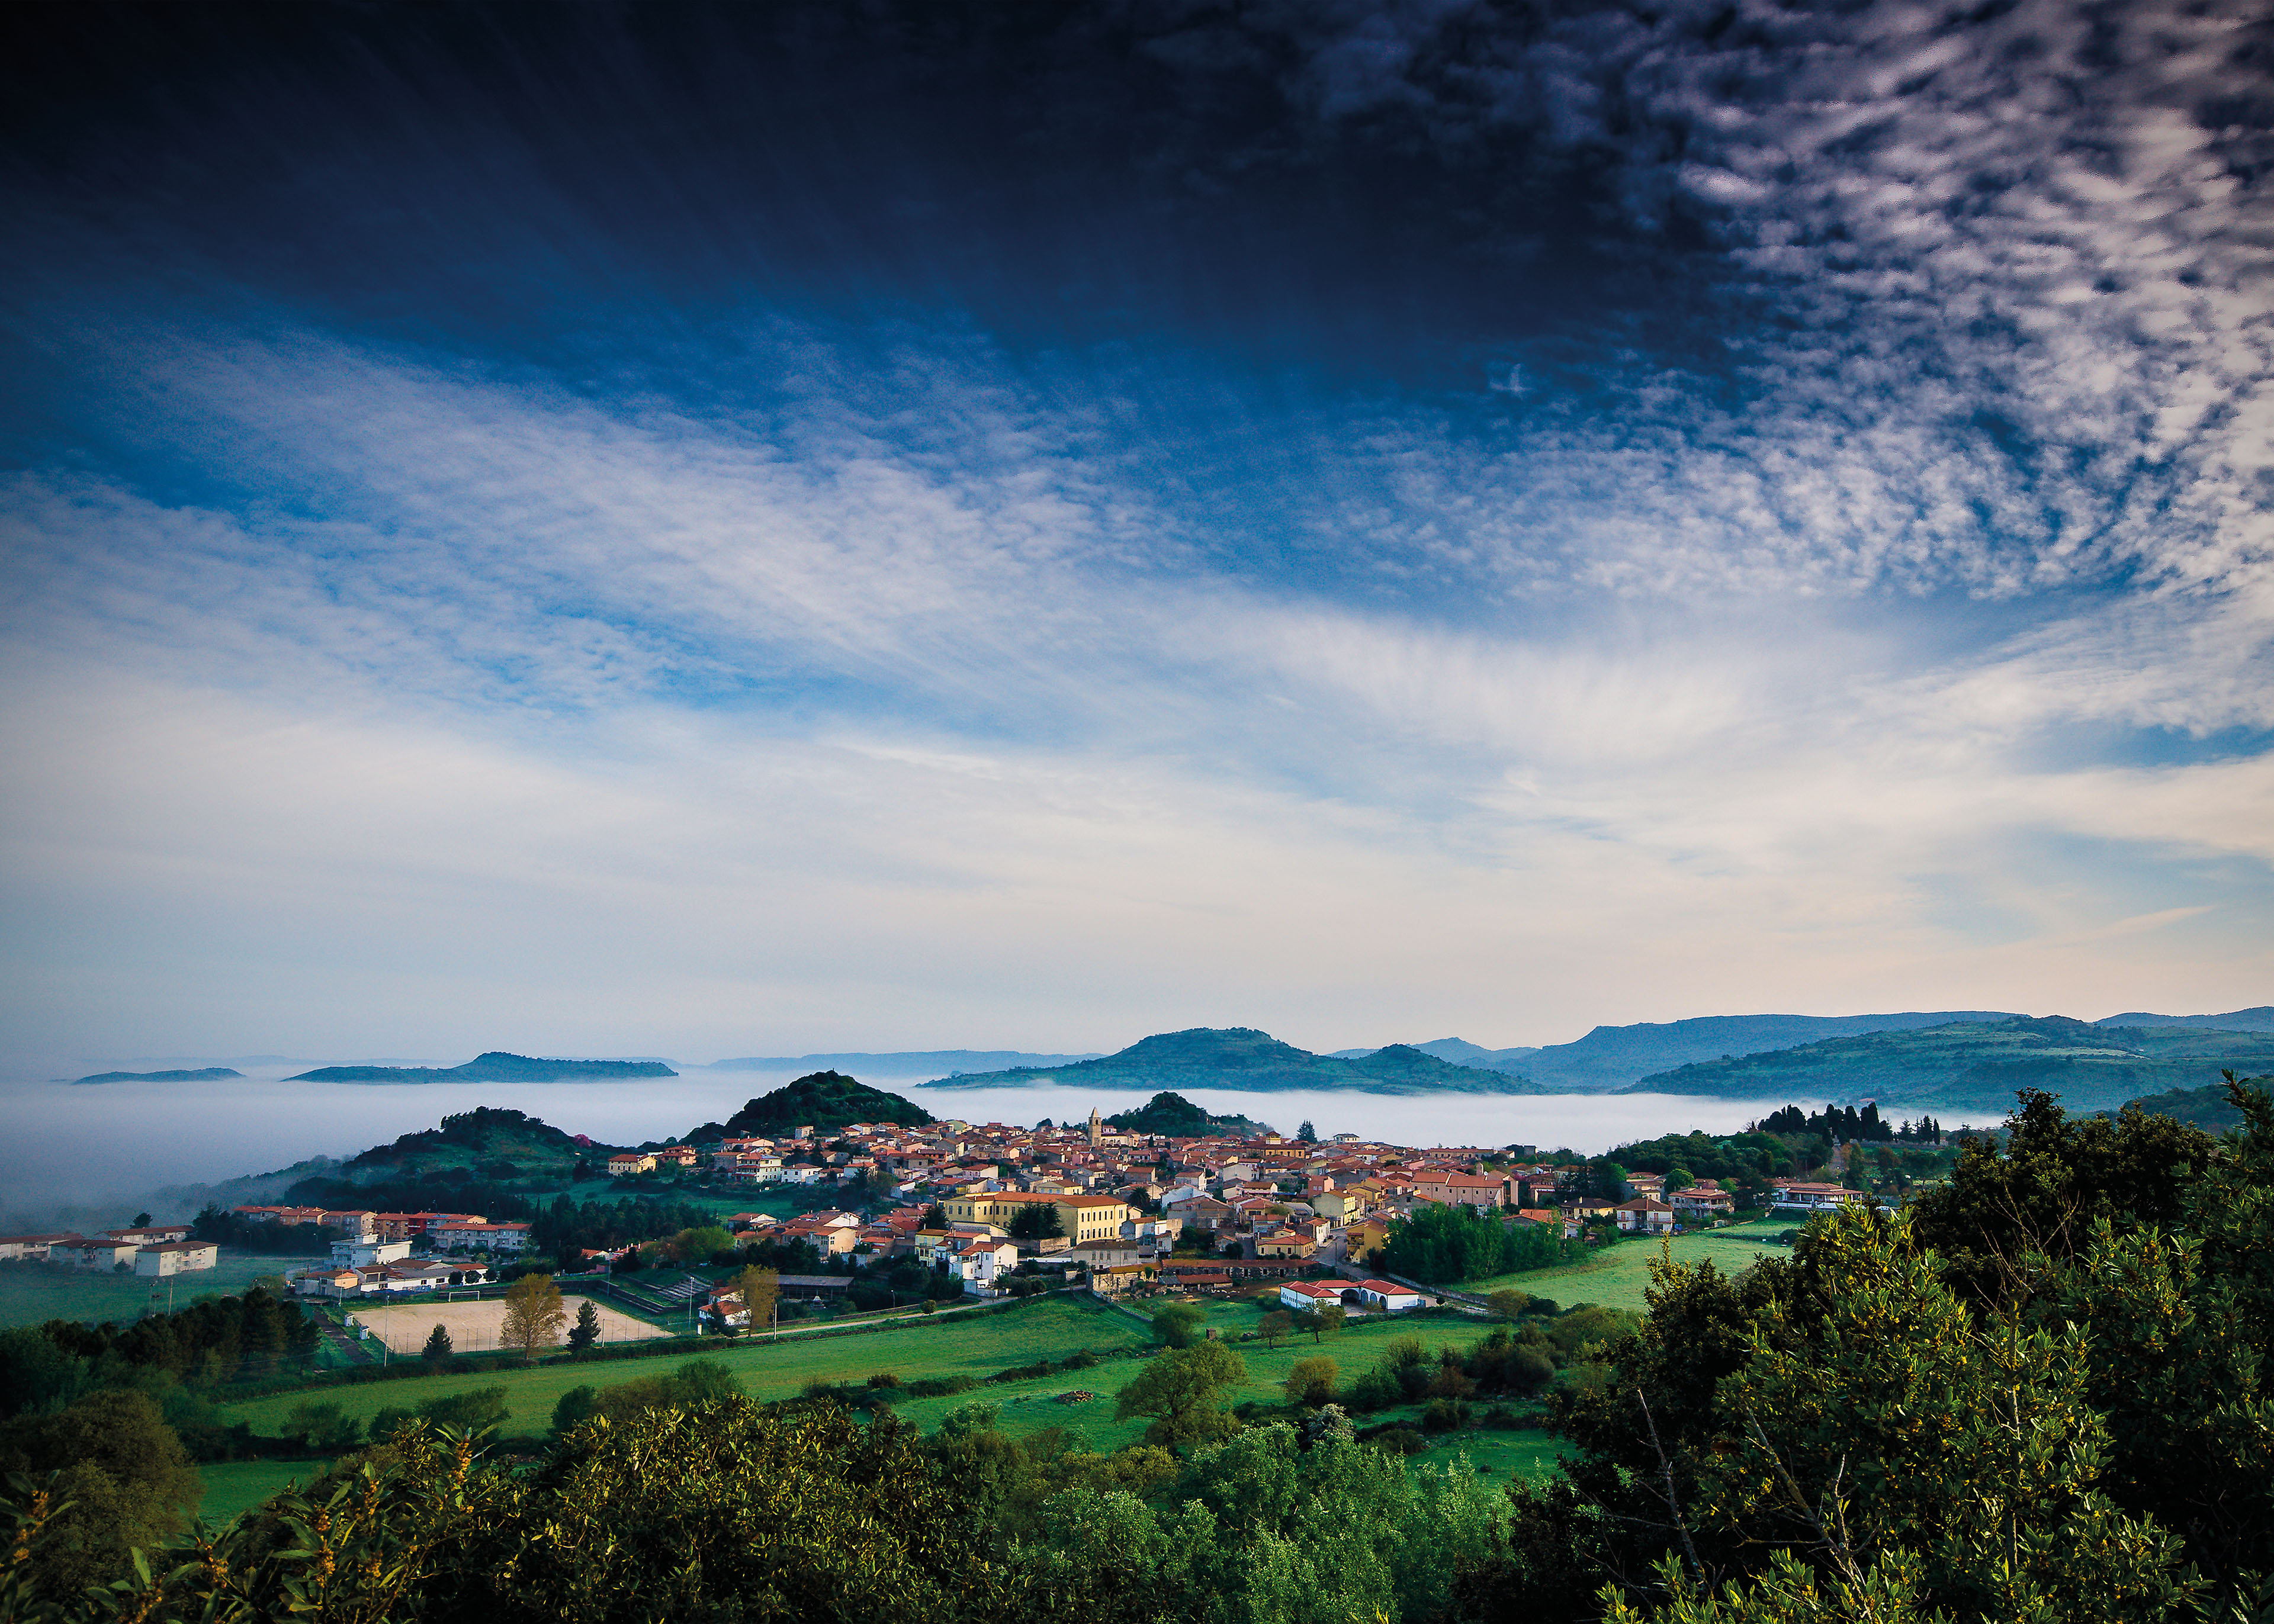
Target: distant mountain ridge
{"type": "Point", "coordinates": [1979, 1066]}
{"type": "Point", "coordinates": [205, 1074]}
{"type": "Point", "coordinates": [1242, 1057]}
{"type": "Point", "coordinates": [2258, 1019]}
{"type": "Point", "coordinates": [904, 1063]}
{"type": "Point", "coordinates": [494, 1067]}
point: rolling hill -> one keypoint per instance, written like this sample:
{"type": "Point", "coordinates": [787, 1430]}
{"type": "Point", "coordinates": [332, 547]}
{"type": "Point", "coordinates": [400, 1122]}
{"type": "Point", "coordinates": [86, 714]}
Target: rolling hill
{"type": "Point", "coordinates": [203, 1074]}
{"type": "Point", "coordinates": [826, 1100]}
{"type": "Point", "coordinates": [1242, 1057]}
{"type": "Point", "coordinates": [1978, 1066]}
{"type": "Point", "coordinates": [494, 1067]}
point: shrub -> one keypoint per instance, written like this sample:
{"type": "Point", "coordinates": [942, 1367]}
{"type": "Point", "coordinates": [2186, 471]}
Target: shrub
{"type": "Point", "coordinates": [1445, 1415]}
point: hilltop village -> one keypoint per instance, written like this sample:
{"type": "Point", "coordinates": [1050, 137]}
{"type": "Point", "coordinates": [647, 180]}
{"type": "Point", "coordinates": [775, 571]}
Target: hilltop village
{"type": "Point", "coordinates": [999, 1210]}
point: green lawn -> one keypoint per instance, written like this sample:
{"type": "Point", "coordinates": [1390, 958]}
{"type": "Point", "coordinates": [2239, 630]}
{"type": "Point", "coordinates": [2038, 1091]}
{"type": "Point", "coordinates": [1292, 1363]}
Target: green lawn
{"type": "Point", "coordinates": [32, 1293]}
{"type": "Point", "coordinates": [1618, 1277]}
{"type": "Point", "coordinates": [232, 1486]}
{"type": "Point", "coordinates": [1049, 1327]}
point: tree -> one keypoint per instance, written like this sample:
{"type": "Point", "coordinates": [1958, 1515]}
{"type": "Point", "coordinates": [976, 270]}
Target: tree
{"type": "Point", "coordinates": [1307, 1134]}
{"type": "Point", "coordinates": [124, 1481]}
{"type": "Point", "coordinates": [141, 1221]}
{"type": "Point", "coordinates": [1182, 1389]}
{"type": "Point", "coordinates": [1178, 1324]}
{"type": "Point", "coordinates": [1331, 1319]}
{"type": "Point", "coordinates": [438, 1348]}
{"type": "Point", "coordinates": [1275, 1326]}
{"type": "Point", "coordinates": [934, 1217]}
{"type": "Point", "coordinates": [759, 1289]}
{"type": "Point", "coordinates": [534, 1314]}
{"type": "Point", "coordinates": [1312, 1381]}
{"type": "Point", "coordinates": [1037, 1221]}
{"type": "Point", "coordinates": [1507, 1303]}
{"type": "Point", "coordinates": [699, 1245]}
{"type": "Point", "coordinates": [1678, 1178]}
{"type": "Point", "coordinates": [587, 1332]}
{"type": "Point", "coordinates": [324, 1428]}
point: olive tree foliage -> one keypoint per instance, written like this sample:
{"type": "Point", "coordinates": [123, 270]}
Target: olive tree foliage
{"type": "Point", "coordinates": [1264, 1530]}
{"type": "Point", "coordinates": [1182, 1389]}
{"type": "Point", "coordinates": [721, 1511]}
{"type": "Point", "coordinates": [2042, 1395]}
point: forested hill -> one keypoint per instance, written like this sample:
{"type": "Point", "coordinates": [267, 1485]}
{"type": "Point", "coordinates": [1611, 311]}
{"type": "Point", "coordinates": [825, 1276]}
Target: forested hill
{"type": "Point", "coordinates": [827, 1101]}
{"type": "Point", "coordinates": [1172, 1116]}
{"type": "Point", "coordinates": [494, 1067]}
{"type": "Point", "coordinates": [1244, 1058]}
{"type": "Point", "coordinates": [1980, 1066]}
{"type": "Point", "coordinates": [203, 1074]}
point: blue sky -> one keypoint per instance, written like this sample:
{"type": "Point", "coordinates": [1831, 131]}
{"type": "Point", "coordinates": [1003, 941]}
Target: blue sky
{"type": "Point", "coordinates": [684, 530]}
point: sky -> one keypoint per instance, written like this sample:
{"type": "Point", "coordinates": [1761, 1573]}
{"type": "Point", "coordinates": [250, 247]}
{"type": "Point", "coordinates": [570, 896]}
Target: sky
{"type": "Point", "coordinates": [708, 531]}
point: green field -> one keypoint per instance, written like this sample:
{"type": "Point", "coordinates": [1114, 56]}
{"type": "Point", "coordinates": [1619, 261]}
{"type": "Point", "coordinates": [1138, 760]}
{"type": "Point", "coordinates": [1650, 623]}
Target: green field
{"type": "Point", "coordinates": [1049, 1327]}
{"type": "Point", "coordinates": [1618, 1277]}
{"type": "Point", "coordinates": [232, 1486]}
{"type": "Point", "coordinates": [32, 1293]}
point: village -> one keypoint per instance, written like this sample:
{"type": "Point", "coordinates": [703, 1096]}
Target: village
{"type": "Point", "coordinates": [1000, 1211]}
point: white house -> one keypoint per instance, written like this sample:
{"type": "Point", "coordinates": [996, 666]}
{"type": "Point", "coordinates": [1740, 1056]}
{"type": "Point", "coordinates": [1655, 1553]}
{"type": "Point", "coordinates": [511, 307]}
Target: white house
{"type": "Point", "coordinates": [464, 1235]}
{"type": "Point", "coordinates": [980, 1262]}
{"type": "Point", "coordinates": [1645, 1216]}
{"type": "Point", "coordinates": [1310, 1294]}
{"type": "Point", "coordinates": [364, 1254]}
{"type": "Point", "coordinates": [1389, 1295]}
{"type": "Point", "coordinates": [176, 1258]}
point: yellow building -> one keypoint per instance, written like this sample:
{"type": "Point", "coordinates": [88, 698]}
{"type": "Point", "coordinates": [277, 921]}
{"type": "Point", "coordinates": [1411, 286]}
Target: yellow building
{"type": "Point", "coordinates": [1080, 1217]}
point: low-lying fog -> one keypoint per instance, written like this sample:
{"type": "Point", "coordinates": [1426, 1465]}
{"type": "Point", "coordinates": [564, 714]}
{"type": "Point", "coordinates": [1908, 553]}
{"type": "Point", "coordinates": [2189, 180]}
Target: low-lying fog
{"type": "Point", "coordinates": [72, 1145]}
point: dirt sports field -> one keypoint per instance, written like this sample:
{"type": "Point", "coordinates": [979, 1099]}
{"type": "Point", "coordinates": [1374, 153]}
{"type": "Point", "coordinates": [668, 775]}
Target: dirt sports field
{"type": "Point", "coordinates": [473, 1326]}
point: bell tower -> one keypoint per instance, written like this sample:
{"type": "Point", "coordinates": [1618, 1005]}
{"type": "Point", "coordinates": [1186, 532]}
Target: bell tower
{"type": "Point", "coordinates": [1096, 1128]}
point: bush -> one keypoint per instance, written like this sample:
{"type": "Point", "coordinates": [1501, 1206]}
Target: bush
{"type": "Point", "coordinates": [1399, 1441]}
{"type": "Point", "coordinates": [1445, 1415]}
{"type": "Point", "coordinates": [939, 1387]}
{"type": "Point", "coordinates": [1370, 1389]}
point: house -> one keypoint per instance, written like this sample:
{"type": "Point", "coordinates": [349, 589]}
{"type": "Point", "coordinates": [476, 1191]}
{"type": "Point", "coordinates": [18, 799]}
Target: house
{"type": "Point", "coordinates": [478, 1235]}
{"type": "Point", "coordinates": [1551, 1217]}
{"type": "Point", "coordinates": [1702, 1201]}
{"type": "Point", "coordinates": [94, 1254]}
{"type": "Point", "coordinates": [829, 1239]}
{"type": "Point", "coordinates": [1388, 1296]}
{"type": "Point", "coordinates": [982, 1261]}
{"type": "Point", "coordinates": [1204, 1212]}
{"type": "Point", "coordinates": [355, 1225]}
{"type": "Point", "coordinates": [1310, 1294]}
{"type": "Point", "coordinates": [1461, 1189]}
{"type": "Point", "coordinates": [1286, 1244]}
{"type": "Point", "coordinates": [176, 1258]}
{"type": "Point", "coordinates": [1116, 1253]}
{"type": "Point", "coordinates": [625, 1163]}
{"type": "Point", "coordinates": [155, 1235]}
{"type": "Point", "coordinates": [1644, 1215]}
{"type": "Point", "coordinates": [678, 1155]}
{"type": "Point", "coordinates": [1793, 1195]}
{"type": "Point", "coordinates": [34, 1247]}
{"type": "Point", "coordinates": [367, 1254]}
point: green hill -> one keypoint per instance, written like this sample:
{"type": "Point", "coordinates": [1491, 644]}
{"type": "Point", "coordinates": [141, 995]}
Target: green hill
{"type": "Point", "coordinates": [1244, 1058]}
{"type": "Point", "coordinates": [206, 1074]}
{"type": "Point", "coordinates": [2208, 1108]}
{"type": "Point", "coordinates": [1979, 1066]}
{"type": "Point", "coordinates": [477, 1141]}
{"type": "Point", "coordinates": [1174, 1116]}
{"type": "Point", "coordinates": [826, 1100]}
{"type": "Point", "coordinates": [494, 1067]}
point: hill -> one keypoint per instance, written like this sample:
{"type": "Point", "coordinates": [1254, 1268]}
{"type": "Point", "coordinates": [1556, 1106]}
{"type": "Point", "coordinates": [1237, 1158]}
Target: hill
{"type": "Point", "coordinates": [2258, 1019]}
{"type": "Point", "coordinates": [494, 1067]}
{"type": "Point", "coordinates": [475, 1141]}
{"type": "Point", "coordinates": [1244, 1058]}
{"type": "Point", "coordinates": [2208, 1108]}
{"type": "Point", "coordinates": [828, 1101]}
{"type": "Point", "coordinates": [902, 1062]}
{"type": "Point", "coordinates": [1174, 1116]}
{"type": "Point", "coordinates": [206, 1074]}
{"type": "Point", "coordinates": [1978, 1066]}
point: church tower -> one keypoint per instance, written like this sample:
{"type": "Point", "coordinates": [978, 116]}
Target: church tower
{"type": "Point", "coordinates": [1096, 1128]}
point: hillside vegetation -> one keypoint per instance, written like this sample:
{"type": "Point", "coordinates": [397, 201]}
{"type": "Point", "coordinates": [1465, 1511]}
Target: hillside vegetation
{"type": "Point", "coordinates": [494, 1067]}
{"type": "Point", "coordinates": [826, 1100]}
{"type": "Point", "coordinates": [1980, 1066]}
{"type": "Point", "coordinates": [1174, 1116]}
{"type": "Point", "coordinates": [1241, 1057]}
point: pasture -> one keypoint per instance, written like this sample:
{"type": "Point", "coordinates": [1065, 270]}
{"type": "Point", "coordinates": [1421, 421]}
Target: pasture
{"type": "Point", "coordinates": [973, 1345]}
{"type": "Point", "coordinates": [232, 1486]}
{"type": "Point", "coordinates": [34, 1293]}
{"type": "Point", "coordinates": [1618, 1276]}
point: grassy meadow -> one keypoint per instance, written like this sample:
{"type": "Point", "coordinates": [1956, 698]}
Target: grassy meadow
{"type": "Point", "coordinates": [1618, 1276]}
{"type": "Point", "coordinates": [232, 1486]}
{"type": "Point", "coordinates": [32, 1293]}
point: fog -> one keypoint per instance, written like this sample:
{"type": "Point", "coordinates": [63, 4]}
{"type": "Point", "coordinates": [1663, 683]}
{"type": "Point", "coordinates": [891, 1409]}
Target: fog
{"type": "Point", "coordinates": [68, 1147]}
